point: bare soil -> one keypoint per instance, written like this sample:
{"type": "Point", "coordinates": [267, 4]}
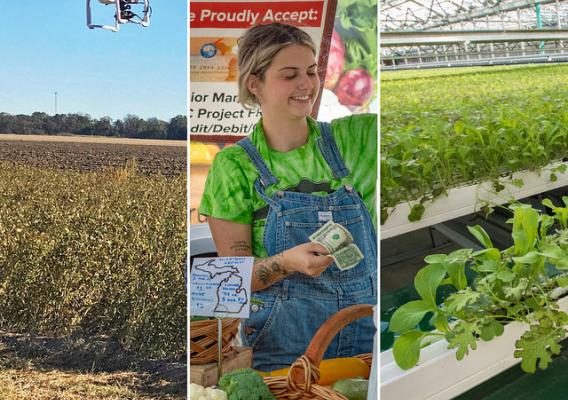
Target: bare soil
{"type": "Point", "coordinates": [91, 139]}
{"type": "Point", "coordinates": [91, 156]}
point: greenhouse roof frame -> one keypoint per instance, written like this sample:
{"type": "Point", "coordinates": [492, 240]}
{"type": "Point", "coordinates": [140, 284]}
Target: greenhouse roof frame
{"type": "Point", "coordinates": [432, 33]}
{"type": "Point", "coordinates": [420, 15]}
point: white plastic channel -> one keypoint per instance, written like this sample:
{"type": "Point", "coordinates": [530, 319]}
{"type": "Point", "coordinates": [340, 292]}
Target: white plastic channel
{"type": "Point", "coordinates": [468, 199]}
{"type": "Point", "coordinates": [439, 376]}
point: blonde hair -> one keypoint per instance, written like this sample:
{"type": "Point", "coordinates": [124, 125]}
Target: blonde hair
{"type": "Point", "coordinates": [258, 47]}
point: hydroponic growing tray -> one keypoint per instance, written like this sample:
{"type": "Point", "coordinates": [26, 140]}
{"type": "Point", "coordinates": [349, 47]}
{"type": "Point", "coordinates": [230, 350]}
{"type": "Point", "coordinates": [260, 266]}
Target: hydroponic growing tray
{"type": "Point", "coordinates": [465, 200]}
{"type": "Point", "coordinates": [439, 376]}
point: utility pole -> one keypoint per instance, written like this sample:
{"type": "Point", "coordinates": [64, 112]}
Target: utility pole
{"type": "Point", "coordinates": [55, 103]}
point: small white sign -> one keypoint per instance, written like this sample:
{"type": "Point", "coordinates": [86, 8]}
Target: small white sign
{"type": "Point", "coordinates": [220, 287]}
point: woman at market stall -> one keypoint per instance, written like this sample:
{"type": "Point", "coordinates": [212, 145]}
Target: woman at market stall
{"type": "Point", "coordinates": [266, 195]}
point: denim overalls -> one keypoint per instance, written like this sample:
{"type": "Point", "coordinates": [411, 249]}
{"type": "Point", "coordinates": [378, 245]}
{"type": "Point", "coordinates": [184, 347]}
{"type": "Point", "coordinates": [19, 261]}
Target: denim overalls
{"type": "Point", "coordinates": [280, 329]}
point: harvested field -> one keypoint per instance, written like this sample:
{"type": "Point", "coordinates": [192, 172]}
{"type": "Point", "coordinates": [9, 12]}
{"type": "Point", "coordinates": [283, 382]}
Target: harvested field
{"type": "Point", "coordinates": [94, 155]}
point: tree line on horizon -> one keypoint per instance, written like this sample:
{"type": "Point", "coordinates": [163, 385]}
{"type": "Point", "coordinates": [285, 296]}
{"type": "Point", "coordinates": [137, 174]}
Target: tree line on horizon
{"type": "Point", "coordinates": [131, 126]}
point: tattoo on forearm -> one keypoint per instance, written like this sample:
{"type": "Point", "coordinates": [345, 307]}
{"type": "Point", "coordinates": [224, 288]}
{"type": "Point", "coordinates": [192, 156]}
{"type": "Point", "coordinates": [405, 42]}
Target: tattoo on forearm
{"type": "Point", "coordinates": [240, 245]}
{"type": "Point", "coordinates": [270, 269]}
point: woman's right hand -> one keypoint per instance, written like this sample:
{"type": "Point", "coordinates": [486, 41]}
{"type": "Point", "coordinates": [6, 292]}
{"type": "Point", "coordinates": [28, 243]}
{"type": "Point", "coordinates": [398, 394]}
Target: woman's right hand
{"type": "Point", "coordinates": [308, 258]}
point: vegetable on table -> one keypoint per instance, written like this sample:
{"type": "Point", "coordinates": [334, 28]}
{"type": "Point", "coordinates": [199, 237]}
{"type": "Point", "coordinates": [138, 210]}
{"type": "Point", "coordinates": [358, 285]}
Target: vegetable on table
{"type": "Point", "coordinates": [198, 392]}
{"type": "Point", "coordinates": [353, 389]}
{"type": "Point", "coordinates": [334, 369]}
{"type": "Point", "coordinates": [245, 384]}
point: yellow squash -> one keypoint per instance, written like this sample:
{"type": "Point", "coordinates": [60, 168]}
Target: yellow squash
{"type": "Point", "coordinates": [334, 369]}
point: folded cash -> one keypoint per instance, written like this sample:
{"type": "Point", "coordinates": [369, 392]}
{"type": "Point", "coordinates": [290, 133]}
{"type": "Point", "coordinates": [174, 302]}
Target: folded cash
{"type": "Point", "coordinates": [347, 257]}
{"type": "Point", "coordinates": [332, 236]}
{"type": "Point", "coordinates": [339, 242]}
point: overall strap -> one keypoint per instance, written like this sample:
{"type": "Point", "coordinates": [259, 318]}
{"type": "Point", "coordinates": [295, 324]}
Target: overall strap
{"type": "Point", "coordinates": [266, 177]}
{"type": "Point", "coordinates": [330, 152]}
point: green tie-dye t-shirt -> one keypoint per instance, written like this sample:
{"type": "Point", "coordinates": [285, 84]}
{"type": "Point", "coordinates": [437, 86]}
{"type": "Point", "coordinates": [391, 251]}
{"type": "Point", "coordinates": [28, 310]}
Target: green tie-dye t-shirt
{"type": "Point", "coordinates": [229, 190]}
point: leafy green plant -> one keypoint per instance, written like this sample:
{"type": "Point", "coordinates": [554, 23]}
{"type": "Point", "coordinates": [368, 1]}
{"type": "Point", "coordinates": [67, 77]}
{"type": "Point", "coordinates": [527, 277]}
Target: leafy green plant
{"type": "Point", "coordinates": [510, 285]}
{"type": "Point", "coordinates": [441, 129]}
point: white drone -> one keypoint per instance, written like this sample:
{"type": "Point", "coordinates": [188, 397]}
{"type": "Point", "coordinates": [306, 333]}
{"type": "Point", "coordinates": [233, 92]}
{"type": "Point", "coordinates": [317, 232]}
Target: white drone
{"type": "Point", "coordinates": [124, 13]}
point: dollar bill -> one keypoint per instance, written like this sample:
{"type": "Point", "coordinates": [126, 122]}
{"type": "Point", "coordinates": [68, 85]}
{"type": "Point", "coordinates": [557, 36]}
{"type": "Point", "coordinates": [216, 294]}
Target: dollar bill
{"type": "Point", "coordinates": [339, 242]}
{"type": "Point", "coordinates": [347, 257]}
{"type": "Point", "coordinates": [332, 236]}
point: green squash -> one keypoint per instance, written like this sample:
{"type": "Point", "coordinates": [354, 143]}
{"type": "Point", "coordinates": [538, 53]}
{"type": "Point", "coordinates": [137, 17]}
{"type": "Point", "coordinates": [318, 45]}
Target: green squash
{"type": "Point", "coordinates": [353, 389]}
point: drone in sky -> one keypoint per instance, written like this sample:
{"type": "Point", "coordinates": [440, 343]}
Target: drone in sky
{"type": "Point", "coordinates": [126, 11]}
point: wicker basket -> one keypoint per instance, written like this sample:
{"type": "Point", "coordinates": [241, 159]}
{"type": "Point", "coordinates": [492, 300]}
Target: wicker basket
{"type": "Point", "coordinates": [301, 382]}
{"type": "Point", "coordinates": [203, 339]}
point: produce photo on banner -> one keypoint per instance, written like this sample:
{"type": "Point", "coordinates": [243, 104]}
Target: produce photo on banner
{"type": "Point", "coordinates": [280, 182]}
{"type": "Point", "coordinates": [93, 204]}
{"type": "Point", "coordinates": [474, 200]}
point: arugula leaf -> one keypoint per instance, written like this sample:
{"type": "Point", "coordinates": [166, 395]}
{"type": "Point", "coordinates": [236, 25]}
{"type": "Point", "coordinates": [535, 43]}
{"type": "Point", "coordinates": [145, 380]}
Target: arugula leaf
{"type": "Point", "coordinates": [459, 256]}
{"type": "Point", "coordinates": [525, 229]}
{"type": "Point", "coordinates": [546, 222]}
{"type": "Point", "coordinates": [463, 337]}
{"type": "Point", "coordinates": [556, 256]}
{"type": "Point", "coordinates": [456, 272]}
{"type": "Point", "coordinates": [536, 348]}
{"type": "Point", "coordinates": [490, 330]}
{"type": "Point", "coordinates": [427, 281]}
{"type": "Point", "coordinates": [480, 235]}
{"type": "Point", "coordinates": [562, 281]}
{"type": "Point", "coordinates": [488, 254]}
{"type": "Point", "coordinates": [561, 213]}
{"type": "Point", "coordinates": [406, 348]}
{"type": "Point", "coordinates": [440, 322]}
{"type": "Point", "coordinates": [458, 301]}
{"type": "Point", "coordinates": [515, 293]}
{"type": "Point", "coordinates": [488, 266]}
{"type": "Point", "coordinates": [505, 275]}
{"type": "Point", "coordinates": [436, 258]}
{"type": "Point", "coordinates": [409, 315]}
{"type": "Point", "coordinates": [530, 258]}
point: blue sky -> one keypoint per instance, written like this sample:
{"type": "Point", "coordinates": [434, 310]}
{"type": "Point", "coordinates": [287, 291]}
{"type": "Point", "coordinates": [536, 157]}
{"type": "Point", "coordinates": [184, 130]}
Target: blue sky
{"type": "Point", "coordinates": [46, 47]}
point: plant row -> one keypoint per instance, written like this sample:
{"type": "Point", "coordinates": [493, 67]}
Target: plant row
{"type": "Point", "coordinates": [440, 130]}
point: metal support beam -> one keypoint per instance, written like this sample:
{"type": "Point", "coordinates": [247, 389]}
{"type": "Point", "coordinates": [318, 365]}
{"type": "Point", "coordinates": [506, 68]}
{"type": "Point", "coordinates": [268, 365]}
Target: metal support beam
{"type": "Point", "coordinates": [488, 61]}
{"type": "Point", "coordinates": [398, 38]}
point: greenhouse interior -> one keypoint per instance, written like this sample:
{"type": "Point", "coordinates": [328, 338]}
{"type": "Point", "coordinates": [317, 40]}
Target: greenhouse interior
{"type": "Point", "coordinates": [474, 199]}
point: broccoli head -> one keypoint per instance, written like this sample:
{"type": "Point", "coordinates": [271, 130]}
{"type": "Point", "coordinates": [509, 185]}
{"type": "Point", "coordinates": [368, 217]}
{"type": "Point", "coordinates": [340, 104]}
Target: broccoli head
{"type": "Point", "coordinates": [245, 384]}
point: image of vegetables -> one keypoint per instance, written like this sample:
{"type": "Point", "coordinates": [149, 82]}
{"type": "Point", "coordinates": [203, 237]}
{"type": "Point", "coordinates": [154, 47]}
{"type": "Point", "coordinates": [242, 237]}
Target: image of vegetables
{"type": "Point", "coordinates": [352, 63]}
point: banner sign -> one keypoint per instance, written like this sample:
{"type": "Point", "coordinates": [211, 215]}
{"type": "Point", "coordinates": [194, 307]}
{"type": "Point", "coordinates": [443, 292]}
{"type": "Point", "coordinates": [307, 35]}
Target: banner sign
{"type": "Point", "coordinates": [243, 15]}
{"type": "Point", "coordinates": [215, 114]}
